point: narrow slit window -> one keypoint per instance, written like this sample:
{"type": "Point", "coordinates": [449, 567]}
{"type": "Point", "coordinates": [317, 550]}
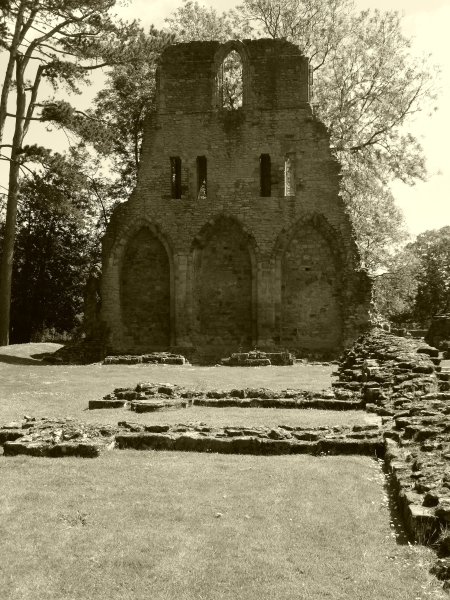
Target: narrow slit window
{"type": "Point", "coordinates": [201, 177]}
{"type": "Point", "coordinates": [265, 176]}
{"type": "Point", "coordinates": [175, 176]}
{"type": "Point", "coordinates": [289, 175]}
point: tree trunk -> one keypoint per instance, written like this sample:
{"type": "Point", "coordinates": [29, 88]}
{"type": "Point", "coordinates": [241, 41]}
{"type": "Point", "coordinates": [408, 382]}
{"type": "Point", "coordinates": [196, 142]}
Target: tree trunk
{"type": "Point", "coordinates": [8, 249]}
{"type": "Point", "coordinates": [11, 211]}
{"type": "Point", "coordinates": [14, 47]}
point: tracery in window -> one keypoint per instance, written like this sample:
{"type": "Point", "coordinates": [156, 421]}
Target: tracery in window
{"type": "Point", "coordinates": [232, 81]}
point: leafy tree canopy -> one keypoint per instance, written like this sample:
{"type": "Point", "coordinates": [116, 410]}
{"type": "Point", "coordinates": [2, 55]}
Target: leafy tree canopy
{"type": "Point", "coordinates": [416, 284]}
{"type": "Point", "coordinates": [432, 250]}
{"type": "Point", "coordinates": [57, 234]}
{"type": "Point", "coordinates": [368, 86]}
{"type": "Point", "coordinates": [395, 289]}
{"type": "Point", "coordinates": [191, 21]}
{"type": "Point", "coordinates": [126, 99]}
{"type": "Point", "coordinates": [379, 225]}
{"type": "Point", "coordinates": [60, 42]}
{"type": "Point", "coordinates": [368, 83]}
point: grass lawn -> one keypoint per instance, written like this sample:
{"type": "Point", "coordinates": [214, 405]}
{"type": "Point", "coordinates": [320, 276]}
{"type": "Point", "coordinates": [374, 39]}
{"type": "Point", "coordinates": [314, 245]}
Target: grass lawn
{"type": "Point", "coordinates": [178, 525]}
{"type": "Point", "coordinates": [102, 378]}
{"type": "Point", "coordinates": [31, 387]}
{"type": "Point", "coordinates": [239, 417]}
{"type": "Point", "coordinates": [135, 525]}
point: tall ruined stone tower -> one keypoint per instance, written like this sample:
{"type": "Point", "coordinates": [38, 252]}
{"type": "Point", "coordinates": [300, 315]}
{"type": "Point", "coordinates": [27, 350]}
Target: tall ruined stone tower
{"type": "Point", "coordinates": [235, 235]}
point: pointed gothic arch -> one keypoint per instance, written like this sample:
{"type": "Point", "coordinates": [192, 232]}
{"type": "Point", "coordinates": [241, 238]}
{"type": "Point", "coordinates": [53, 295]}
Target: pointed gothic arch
{"type": "Point", "coordinates": [223, 284]}
{"type": "Point", "coordinates": [308, 264]}
{"type": "Point", "coordinates": [144, 261]}
{"type": "Point", "coordinates": [219, 57]}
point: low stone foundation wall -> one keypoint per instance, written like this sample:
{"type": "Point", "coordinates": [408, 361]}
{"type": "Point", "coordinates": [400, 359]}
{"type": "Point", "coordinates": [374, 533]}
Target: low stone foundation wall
{"type": "Point", "coordinates": [162, 358]}
{"type": "Point", "coordinates": [149, 397]}
{"type": "Point", "coordinates": [56, 438]}
{"type": "Point", "coordinates": [401, 379]}
{"type": "Point", "coordinates": [361, 439]}
{"type": "Point", "coordinates": [259, 359]}
{"type": "Point", "coordinates": [398, 379]}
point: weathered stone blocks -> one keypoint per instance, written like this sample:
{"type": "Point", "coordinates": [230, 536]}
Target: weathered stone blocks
{"type": "Point", "coordinates": [311, 314]}
{"type": "Point", "coordinates": [57, 438]}
{"type": "Point", "coordinates": [222, 293]}
{"type": "Point", "coordinates": [241, 266]}
{"type": "Point", "coordinates": [145, 291]}
{"type": "Point", "coordinates": [163, 358]}
{"type": "Point", "coordinates": [151, 397]}
{"type": "Point", "coordinates": [260, 440]}
{"type": "Point", "coordinates": [257, 358]}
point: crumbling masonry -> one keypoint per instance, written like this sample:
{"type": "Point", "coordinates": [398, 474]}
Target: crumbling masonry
{"type": "Point", "coordinates": [235, 235]}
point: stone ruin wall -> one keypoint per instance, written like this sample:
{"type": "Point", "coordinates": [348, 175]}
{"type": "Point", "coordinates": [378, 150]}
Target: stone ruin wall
{"type": "Point", "coordinates": [233, 270]}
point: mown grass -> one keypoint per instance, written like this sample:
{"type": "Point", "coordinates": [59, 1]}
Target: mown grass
{"type": "Point", "coordinates": [30, 387]}
{"type": "Point", "coordinates": [308, 377]}
{"type": "Point", "coordinates": [239, 417]}
{"type": "Point", "coordinates": [191, 526]}
{"type": "Point", "coordinates": [178, 525]}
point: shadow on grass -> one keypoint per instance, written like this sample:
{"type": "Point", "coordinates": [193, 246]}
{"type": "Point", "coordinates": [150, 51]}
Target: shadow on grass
{"type": "Point", "coordinates": [396, 518]}
{"type": "Point", "coordinates": [17, 360]}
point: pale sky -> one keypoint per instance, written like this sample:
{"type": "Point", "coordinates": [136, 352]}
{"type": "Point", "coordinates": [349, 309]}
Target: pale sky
{"type": "Point", "coordinates": [426, 205]}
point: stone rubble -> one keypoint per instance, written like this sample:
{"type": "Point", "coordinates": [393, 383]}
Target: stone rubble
{"type": "Point", "coordinates": [395, 378]}
{"type": "Point", "coordinates": [401, 379]}
{"type": "Point", "coordinates": [66, 437]}
{"type": "Point", "coordinates": [56, 437]}
{"type": "Point", "coordinates": [389, 371]}
{"type": "Point", "coordinates": [149, 397]}
{"type": "Point", "coordinates": [198, 437]}
{"type": "Point", "coordinates": [81, 352]}
{"type": "Point", "coordinates": [162, 358]}
{"type": "Point", "coordinates": [257, 358]}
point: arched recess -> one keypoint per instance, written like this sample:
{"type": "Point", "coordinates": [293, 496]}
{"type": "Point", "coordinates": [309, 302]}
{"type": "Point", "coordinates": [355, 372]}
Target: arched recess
{"type": "Point", "coordinates": [223, 285]}
{"type": "Point", "coordinates": [219, 57]}
{"type": "Point", "coordinates": [309, 274]}
{"type": "Point", "coordinates": [146, 289]}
